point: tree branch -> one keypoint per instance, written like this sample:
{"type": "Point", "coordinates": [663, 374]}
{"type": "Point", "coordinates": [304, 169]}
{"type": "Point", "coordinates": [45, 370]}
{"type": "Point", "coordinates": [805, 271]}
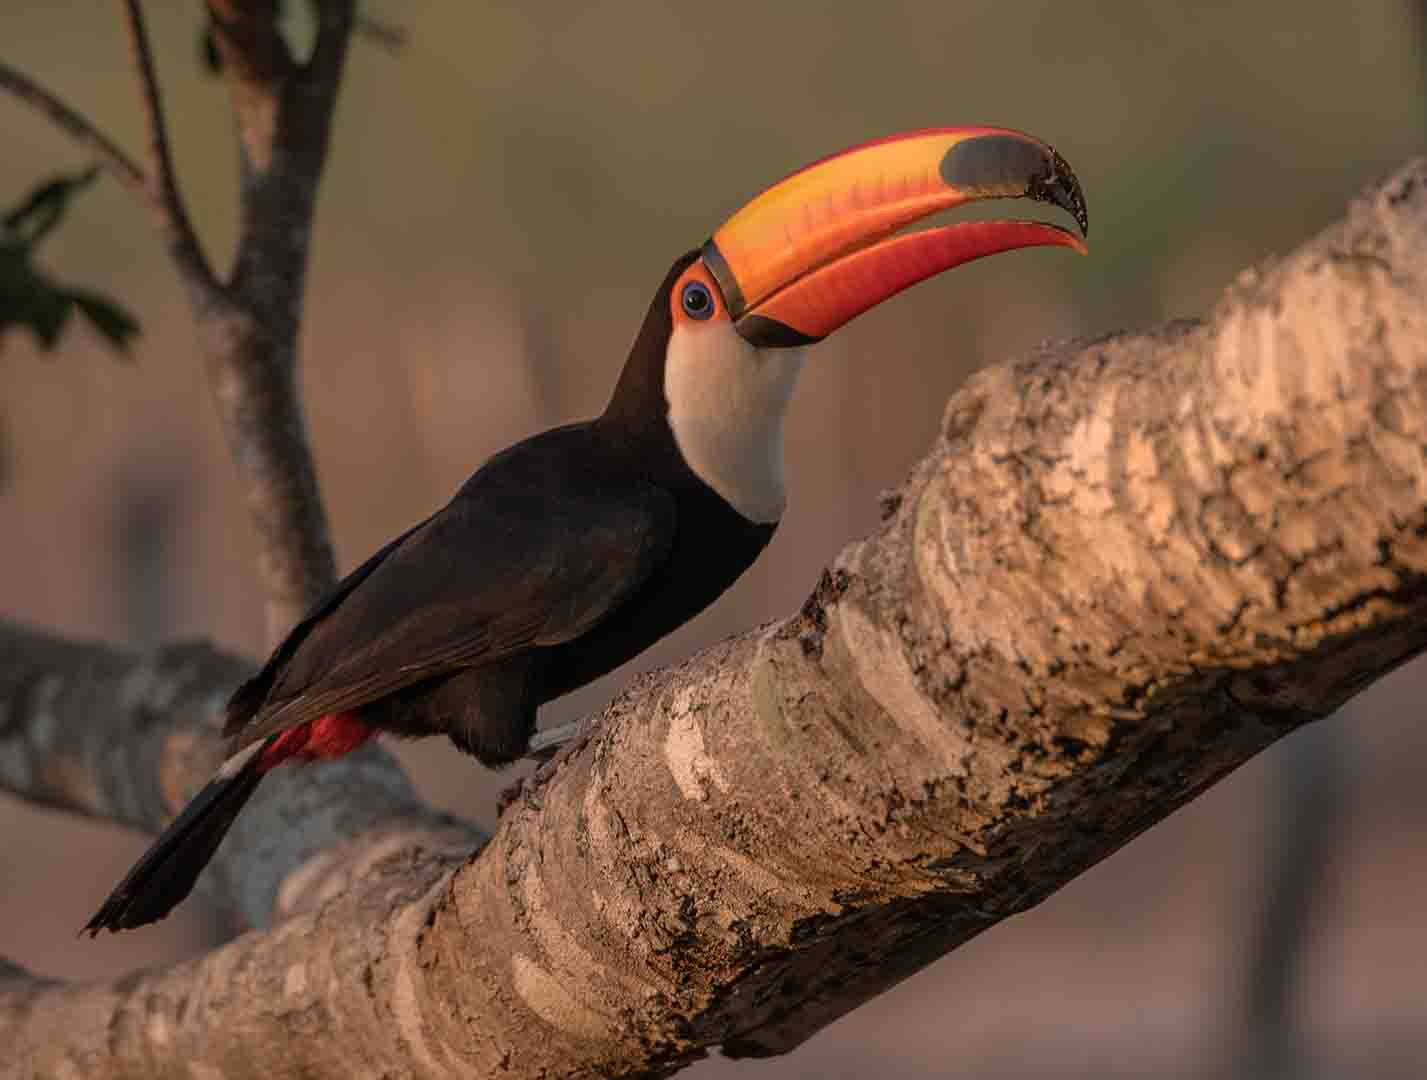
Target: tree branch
{"type": "Point", "coordinates": [74, 124]}
{"type": "Point", "coordinates": [284, 112]}
{"type": "Point", "coordinates": [1125, 567]}
{"type": "Point", "coordinates": [162, 185]}
{"type": "Point", "coordinates": [124, 737]}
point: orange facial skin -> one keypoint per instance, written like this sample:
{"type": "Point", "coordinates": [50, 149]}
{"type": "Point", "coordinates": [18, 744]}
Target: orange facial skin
{"type": "Point", "coordinates": [697, 274]}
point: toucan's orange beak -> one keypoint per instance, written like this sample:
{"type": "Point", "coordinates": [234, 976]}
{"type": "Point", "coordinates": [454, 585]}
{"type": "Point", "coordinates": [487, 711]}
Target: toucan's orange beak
{"type": "Point", "coordinates": [818, 248]}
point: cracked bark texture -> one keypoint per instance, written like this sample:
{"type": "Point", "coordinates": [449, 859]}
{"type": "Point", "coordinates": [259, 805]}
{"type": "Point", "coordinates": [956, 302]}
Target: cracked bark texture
{"type": "Point", "coordinates": [1125, 567]}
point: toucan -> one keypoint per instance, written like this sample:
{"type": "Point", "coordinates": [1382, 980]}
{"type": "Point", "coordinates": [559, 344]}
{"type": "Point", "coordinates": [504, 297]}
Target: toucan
{"type": "Point", "coordinates": [572, 551]}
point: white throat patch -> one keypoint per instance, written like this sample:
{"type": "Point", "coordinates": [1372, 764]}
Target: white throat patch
{"type": "Point", "coordinates": [726, 405]}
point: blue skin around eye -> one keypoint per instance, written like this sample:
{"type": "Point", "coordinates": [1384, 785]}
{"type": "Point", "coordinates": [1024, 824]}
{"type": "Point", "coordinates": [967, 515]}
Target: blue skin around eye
{"type": "Point", "coordinates": [697, 301]}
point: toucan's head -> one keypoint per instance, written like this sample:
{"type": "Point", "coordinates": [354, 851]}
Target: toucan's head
{"type": "Point", "coordinates": [725, 337]}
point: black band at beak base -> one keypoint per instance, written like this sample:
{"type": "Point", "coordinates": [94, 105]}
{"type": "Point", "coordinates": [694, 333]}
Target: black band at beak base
{"type": "Point", "coordinates": [719, 269]}
{"type": "Point", "coordinates": [764, 333]}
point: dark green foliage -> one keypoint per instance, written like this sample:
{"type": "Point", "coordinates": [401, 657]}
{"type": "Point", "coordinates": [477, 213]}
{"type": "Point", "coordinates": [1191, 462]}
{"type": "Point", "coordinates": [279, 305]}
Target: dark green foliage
{"type": "Point", "coordinates": [32, 299]}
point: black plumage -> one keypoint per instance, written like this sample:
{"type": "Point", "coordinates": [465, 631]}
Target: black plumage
{"type": "Point", "coordinates": [558, 560]}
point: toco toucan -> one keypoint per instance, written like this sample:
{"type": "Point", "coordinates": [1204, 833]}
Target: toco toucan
{"type": "Point", "coordinates": [572, 551]}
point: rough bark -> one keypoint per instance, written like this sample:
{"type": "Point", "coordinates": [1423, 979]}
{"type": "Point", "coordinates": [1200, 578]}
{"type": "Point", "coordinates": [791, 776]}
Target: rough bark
{"type": "Point", "coordinates": [1125, 567]}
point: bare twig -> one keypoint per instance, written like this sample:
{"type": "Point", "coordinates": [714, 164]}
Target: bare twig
{"type": "Point", "coordinates": [164, 197]}
{"type": "Point", "coordinates": [74, 124]}
{"type": "Point", "coordinates": [389, 35]}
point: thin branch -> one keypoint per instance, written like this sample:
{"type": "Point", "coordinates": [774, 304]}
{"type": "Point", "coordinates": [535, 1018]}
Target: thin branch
{"type": "Point", "coordinates": [164, 195]}
{"type": "Point", "coordinates": [389, 35]}
{"type": "Point", "coordinates": [248, 329]}
{"type": "Point", "coordinates": [74, 124]}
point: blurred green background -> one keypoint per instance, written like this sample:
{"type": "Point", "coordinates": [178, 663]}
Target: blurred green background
{"type": "Point", "coordinates": [503, 195]}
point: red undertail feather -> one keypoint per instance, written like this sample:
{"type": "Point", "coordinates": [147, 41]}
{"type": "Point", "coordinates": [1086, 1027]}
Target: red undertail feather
{"type": "Point", "coordinates": [328, 736]}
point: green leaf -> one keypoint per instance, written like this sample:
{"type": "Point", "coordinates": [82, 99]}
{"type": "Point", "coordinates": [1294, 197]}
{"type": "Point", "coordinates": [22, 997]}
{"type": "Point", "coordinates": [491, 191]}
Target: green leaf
{"type": "Point", "coordinates": [113, 322]}
{"type": "Point", "coordinates": [208, 58]}
{"type": "Point", "coordinates": [32, 299]}
{"type": "Point", "coordinates": [44, 207]}
{"type": "Point", "coordinates": [27, 299]}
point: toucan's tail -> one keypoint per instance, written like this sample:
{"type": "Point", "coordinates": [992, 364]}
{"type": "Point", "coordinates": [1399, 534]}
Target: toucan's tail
{"type": "Point", "coordinates": [166, 872]}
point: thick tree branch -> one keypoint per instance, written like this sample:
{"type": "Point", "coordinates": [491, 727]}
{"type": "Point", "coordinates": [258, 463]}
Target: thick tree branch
{"type": "Point", "coordinates": [125, 737]}
{"type": "Point", "coordinates": [1124, 568]}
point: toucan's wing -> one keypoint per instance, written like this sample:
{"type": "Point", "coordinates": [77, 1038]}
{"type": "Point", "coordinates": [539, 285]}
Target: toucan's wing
{"type": "Point", "coordinates": [249, 697]}
{"type": "Point", "coordinates": [530, 552]}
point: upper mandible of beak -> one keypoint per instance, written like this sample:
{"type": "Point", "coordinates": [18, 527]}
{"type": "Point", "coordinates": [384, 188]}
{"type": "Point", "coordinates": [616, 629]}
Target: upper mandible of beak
{"type": "Point", "coordinates": [817, 249]}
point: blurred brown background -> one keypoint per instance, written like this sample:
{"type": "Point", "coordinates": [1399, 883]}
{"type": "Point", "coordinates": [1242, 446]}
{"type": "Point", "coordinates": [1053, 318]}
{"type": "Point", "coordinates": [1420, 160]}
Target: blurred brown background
{"type": "Point", "coordinates": [503, 196]}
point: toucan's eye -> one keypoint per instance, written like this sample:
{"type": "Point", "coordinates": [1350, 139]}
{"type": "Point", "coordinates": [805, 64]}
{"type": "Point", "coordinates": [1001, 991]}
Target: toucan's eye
{"type": "Point", "coordinates": [697, 300]}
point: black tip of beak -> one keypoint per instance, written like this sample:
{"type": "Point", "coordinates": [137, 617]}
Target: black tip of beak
{"type": "Point", "coordinates": [1010, 166]}
{"type": "Point", "coordinates": [1060, 187]}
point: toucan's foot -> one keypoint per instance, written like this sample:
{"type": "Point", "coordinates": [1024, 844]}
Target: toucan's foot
{"type": "Point", "coordinates": [508, 795]}
{"type": "Point", "coordinates": [546, 744]}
